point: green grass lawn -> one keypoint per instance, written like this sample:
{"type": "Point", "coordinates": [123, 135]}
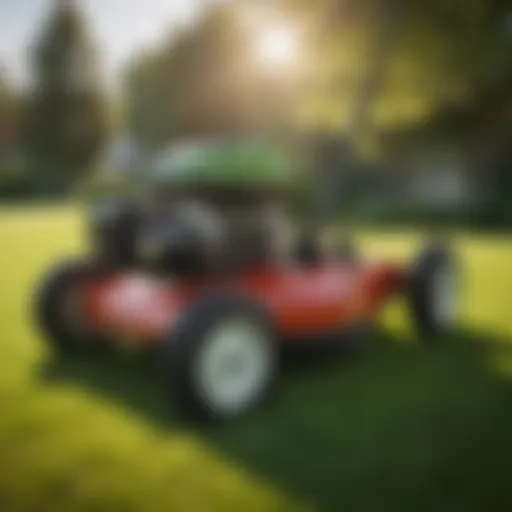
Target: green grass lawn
{"type": "Point", "coordinates": [401, 427]}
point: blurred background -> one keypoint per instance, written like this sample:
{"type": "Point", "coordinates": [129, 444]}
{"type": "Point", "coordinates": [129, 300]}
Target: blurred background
{"type": "Point", "coordinates": [401, 110]}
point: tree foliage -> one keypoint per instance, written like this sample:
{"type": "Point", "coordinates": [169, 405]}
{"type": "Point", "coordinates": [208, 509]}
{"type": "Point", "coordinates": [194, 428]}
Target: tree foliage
{"type": "Point", "coordinates": [65, 123]}
{"type": "Point", "coordinates": [403, 59]}
{"type": "Point", "coordinates": [203, 82]}
{"type": "Point", "coordinates": [366, 65]}
{"type": "Point", "coordinates": [9, 109]}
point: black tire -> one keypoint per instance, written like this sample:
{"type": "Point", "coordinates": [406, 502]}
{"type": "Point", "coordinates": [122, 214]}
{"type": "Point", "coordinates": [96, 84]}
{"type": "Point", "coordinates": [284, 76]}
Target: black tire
{"type": "Point", "coordinates": [433, 311]}
{"type": "Point", "coordinates": [53, 304]}
{"type": "Point", "coordinates": [189, 340]}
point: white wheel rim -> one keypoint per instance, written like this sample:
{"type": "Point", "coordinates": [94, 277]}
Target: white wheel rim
{"type": "Point", "coordinates": [445, 297]}
{"type": "Point", "coordinates": [233, 366]}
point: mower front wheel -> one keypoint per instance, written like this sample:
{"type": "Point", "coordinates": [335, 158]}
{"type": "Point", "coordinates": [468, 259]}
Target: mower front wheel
{"type": "Point", "coordinates": [221, 359]}
{"type": "Point", "coordinates": [434, 291]}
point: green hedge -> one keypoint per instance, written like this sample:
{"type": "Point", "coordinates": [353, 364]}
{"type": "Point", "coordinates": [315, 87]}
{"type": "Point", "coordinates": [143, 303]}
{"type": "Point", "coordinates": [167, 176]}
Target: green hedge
{"type": "Point", "coordinates": [15, 183]}
{"type": "Point", "coordinates": [18, 183]}
{"type": "Point", "coordinates": [482, 215]}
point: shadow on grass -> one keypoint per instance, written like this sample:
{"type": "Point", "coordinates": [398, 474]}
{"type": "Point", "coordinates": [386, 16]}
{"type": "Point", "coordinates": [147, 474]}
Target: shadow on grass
{"type": "Point", "coordinates": [401, 427]}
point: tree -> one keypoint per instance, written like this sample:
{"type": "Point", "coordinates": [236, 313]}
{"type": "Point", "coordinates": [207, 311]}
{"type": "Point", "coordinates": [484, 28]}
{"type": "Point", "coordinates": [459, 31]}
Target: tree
{"type": "Point", "coordinates": [9, 114]}
{"type": "Point", "coordinates": [65, 124]}
{"type": "Point", "coordinates": [383, 63]}
{"type": "Point", "coordinates": [388, 64]}
{"type": "Point", "coordinates": [369, 66]}
{"type": "Point", "coordinates": [203, 82]}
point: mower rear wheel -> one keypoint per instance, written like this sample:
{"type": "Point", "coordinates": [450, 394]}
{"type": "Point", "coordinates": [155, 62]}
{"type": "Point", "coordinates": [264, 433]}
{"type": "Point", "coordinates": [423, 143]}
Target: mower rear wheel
{"type": "Point", "coordinates": [58, 309]}
{"type": "Point", "coordinates": [221, 359]}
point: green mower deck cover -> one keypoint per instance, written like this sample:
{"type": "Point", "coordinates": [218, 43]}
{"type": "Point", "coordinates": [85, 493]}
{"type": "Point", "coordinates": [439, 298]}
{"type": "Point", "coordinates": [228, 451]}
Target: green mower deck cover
{"type": "Point", "coordinates": [224, 163]}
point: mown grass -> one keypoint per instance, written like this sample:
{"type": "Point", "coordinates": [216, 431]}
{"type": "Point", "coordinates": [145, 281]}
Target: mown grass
{"type": "Point", "coordinates": [403, 426]}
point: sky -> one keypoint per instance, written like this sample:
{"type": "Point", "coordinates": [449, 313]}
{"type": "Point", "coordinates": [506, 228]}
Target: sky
{"type": "Point", "coordinates": [118, 27]}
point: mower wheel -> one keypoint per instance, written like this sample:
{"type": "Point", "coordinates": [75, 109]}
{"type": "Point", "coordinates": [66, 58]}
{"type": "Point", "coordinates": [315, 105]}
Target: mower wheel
{"type": "Point", "coordinates": [57, 309]}
{"type": "Point", "coordinates": [221, 358]}
{"type": "Point", "coordinates": [434, 291]}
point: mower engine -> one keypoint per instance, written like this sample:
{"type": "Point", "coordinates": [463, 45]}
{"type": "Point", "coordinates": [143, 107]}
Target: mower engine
{"type": "Point", "coordinates": [183, 238]}
{"type": "Point", "coordinates": [113, 229]}
{"type": "Point", "coordinates": [186, 239]}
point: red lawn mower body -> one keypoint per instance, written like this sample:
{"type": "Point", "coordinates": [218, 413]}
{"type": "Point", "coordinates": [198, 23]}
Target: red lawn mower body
{"type": "Point", "coordinates": [303, 302]}
{"type": "Point", "coordinates": [216, 335]}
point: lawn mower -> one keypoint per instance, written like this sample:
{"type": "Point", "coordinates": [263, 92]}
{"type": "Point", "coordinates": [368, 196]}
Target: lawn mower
{"type": "Point", "coordinates": [204, 270]}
